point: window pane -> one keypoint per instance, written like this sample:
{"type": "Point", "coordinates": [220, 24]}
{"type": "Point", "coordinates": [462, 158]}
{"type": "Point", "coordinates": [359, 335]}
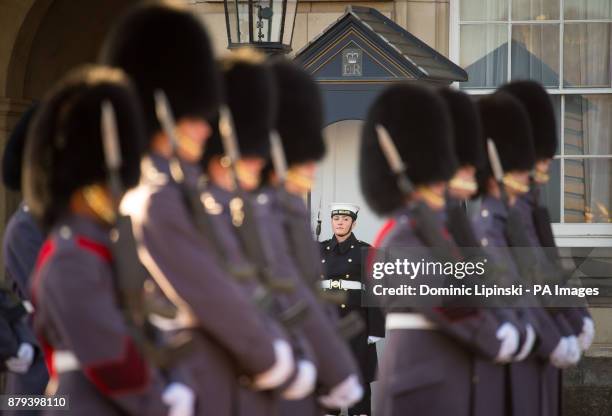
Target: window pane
{"type": "Point", "coordinates": [535, 53]}
{"type": "Point", "coordinates": [243, 22]}
{"type": "Point", "coordinates": [479, 10]}
{"type": "Point", "coordinates": [550, 195]}
{"type": "Point", "coordinates": [588, 124]}
{"type": "Point", "coordinates": [586, 54]}
{"type": "Point", "coordinates": [484, 55]}
{"type": "Point", "coordinates": [535, 9]}
{"type": "Point", "coordinates": [556, 102]}
{"type": "Point", "coordinates": [588, 9]}
{"type": "Point", "coordinates": [587, 195]}
{"type": "Point", "coordinates": [267, 20]}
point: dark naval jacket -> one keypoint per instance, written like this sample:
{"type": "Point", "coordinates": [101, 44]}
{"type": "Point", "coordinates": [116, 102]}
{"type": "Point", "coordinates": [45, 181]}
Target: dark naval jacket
{"type": "Point", "coordinates": [342, 262]}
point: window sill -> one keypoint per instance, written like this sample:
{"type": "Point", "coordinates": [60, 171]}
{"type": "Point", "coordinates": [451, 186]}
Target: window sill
{"type": "Point", "coordinates": [583, 235]}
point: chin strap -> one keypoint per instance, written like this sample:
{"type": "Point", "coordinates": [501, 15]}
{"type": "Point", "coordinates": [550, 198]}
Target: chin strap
{"type": "Point", "coordinates": [100, 202]}
{"type": "Point", "coordinates": [433, 199]}
{"type": "Point", "coordinates": [515, 185]}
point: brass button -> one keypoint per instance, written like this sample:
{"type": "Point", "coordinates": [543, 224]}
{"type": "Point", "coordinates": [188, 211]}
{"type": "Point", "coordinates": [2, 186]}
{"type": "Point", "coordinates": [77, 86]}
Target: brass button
{"type": "Point", "coordinates": [327, 247]}
{"type": "Point", "coordinates": [347, 276]}
{"type": "Point", "coordinates": [343, 306]}
{"type": "Point", "coordinates": [65, 232]}
{"type": "Point", "coordinates": [350, 260]}
{"type": "Point", "coordinates": [352, 246]}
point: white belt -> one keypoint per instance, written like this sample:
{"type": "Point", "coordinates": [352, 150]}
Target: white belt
{"type": "Point", "coordinates": [408, 321]}
{"type": "Point", "coordinates": [341, 284]}
{"type": "Point", "coordinates": [65, 361]}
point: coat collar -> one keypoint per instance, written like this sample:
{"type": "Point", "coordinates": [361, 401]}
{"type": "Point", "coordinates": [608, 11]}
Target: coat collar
{"type": "Point", "coordinates": [78, 225]}
{"type": "Point", "coordinates": [344, 246]}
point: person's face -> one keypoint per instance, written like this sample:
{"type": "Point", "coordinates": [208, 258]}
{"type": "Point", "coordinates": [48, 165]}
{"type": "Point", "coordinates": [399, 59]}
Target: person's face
{"type": "Point", "coordinates": [192, 134]}
{"type": "Point", "coordinates": [541, 171]}
{"type": "Point", "coordinates": [342, 225]}
{"type": "Point", "coordinates": [300, 177]}
{"type": "Point", "coordinates": [463, 185]}
{"type": "Point", "coordinates": [516, 182]}
{"type": "Point", "coordinates": [249, 172]}
{"type": "Point", "coordinates": [433, 195]}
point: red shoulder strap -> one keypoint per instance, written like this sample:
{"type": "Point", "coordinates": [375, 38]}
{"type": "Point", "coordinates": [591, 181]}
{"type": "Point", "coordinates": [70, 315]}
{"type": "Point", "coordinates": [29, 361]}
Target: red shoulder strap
{"type": "Point", "coordinates": [383, 232]}
{"type": "Point", "coordinates": [380, 237]}
{"type": "Point", "coordinates": [45, 253]}
{"type": "Point", "coordinates": [94, 247]}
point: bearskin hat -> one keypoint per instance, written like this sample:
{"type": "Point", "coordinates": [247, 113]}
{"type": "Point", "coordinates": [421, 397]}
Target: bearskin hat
{"type": "Point", "coordinates": [299, 120]}
{"type": "Point", "coordinates": [505, 121]}
{"type": "Point", "coordinates": [467, 127]}
{"type": "Point", "coordinates": [64, 149]}
{"type": "Point", "coordinates": [251, 96]}
{"type": "Point", "coordinates": [163, 46]}
{"type": "Point", "coordinates": [13, 152]}
{"type": "Point", "coordinates": [419, 124]}
{"type": "Point", "coordinates": [541, 113]}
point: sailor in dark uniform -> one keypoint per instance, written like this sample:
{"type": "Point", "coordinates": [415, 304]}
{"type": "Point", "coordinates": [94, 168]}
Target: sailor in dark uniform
{"type": "Point", "coordinates": [341, 257]}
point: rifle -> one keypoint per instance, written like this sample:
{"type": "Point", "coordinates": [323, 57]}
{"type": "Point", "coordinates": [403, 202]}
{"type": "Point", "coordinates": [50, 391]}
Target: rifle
{"type": "Point", "coordinates": [301, 244]}
{"type": "Point", "coordinates": [244, 221]}
{"type": "Point", "coordinates": [318, 229]}
{"type": "Point", "coordinates": [426, 225]}
{"type": "Point", "coordinates": [131, 274]}
{"type": "Point", "coordinates": [515, 229]}
{"type": "Point", "coordinates": [195, 201]}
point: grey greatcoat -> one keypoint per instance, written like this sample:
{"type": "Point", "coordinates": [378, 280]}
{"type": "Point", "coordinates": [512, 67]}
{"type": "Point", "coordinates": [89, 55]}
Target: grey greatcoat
{"type": "Point", "coordinates": [21, 243]}
{"type": "Point", "coordinates": [530, 391]}
{"type": "Point", "coordinates": [334, 359]}
{"type": "Point", "coordinates": [429, 371]}
{"type": "Point", "coordinates": [233, 338]}
{"type": "Point", "coordinates": [73, 289]}
{"type": "Point", "coordinates": [569, 320]}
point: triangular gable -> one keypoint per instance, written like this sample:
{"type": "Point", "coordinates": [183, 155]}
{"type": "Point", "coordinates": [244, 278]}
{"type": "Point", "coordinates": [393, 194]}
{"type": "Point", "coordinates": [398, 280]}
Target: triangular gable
{"type": "Point", "coordinates": [364, 46]}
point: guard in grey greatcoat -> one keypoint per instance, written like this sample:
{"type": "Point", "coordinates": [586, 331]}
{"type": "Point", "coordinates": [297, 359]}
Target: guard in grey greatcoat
{"type": "Point", "coordinates": [178, 62]}
{"type": "Point", "coordinates": [286, 228]}
{"type": "Point", "coordinates": [21, 242]}
{"type": "Point", "coordinates": [537, 221]}
{"type": "Point", "coordinates": [341, 257]}
{"type": "Point", "coordinates": [535, 216]}
{"type": "Point", "coordinates": [241, 227]}
{"type": "Point", "coordinates": [89, 348]}
{"type": "Point", "coordinates": [427, 365]}
{"type": "Point", "coordinates": [490, 388]}
{"type": "Point", "coordinates": [506, 123]}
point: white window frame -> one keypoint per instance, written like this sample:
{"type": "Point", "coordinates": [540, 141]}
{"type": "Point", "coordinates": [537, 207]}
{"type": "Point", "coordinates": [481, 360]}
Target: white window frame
{"type": "Point", "coordinates": [566, 234]}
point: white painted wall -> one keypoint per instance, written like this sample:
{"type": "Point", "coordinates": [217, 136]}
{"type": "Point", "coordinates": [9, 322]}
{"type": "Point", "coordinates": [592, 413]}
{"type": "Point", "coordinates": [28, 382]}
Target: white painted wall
{"type": "Point", "coordinates": [338, 180]}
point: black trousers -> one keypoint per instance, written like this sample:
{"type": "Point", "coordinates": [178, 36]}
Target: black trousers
{"type": "Point", "coordinates": [364, 407]}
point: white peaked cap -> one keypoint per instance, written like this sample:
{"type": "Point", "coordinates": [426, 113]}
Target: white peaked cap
{"type": "Point", "coordinates": [342, 208]}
